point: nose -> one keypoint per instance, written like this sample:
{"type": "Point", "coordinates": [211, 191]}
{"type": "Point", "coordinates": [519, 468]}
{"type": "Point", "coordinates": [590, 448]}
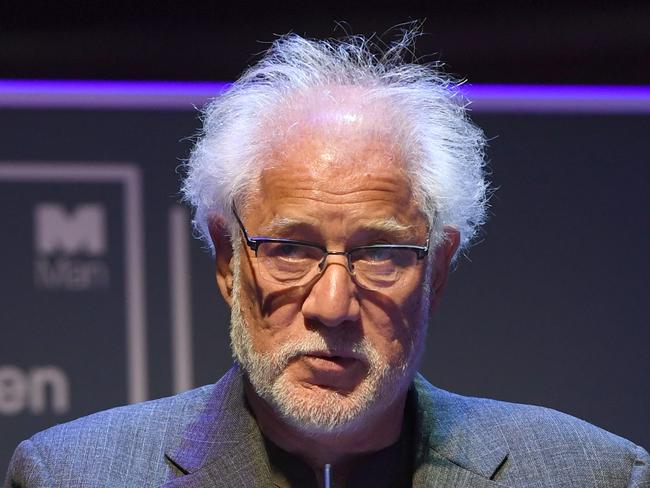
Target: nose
{"type": "Point", "coordinates": [332, 300]}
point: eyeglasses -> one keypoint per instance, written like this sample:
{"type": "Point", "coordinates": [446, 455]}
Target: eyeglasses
{"type": "Point", "coordinates": [291, 262]}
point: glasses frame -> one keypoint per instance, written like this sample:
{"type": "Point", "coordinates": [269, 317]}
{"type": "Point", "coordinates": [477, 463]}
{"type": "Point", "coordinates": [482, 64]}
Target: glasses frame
{"type": "Point", "coordinates": [254, 242]}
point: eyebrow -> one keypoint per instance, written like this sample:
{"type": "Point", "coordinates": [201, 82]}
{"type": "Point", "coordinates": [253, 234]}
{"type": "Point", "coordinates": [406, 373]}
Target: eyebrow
{"type": "Point", "coordinates": [288, 225]}
{"type": "Point", "coordinates": [284, 225]}
{"type": "Point", "coordinates": [389, 224]}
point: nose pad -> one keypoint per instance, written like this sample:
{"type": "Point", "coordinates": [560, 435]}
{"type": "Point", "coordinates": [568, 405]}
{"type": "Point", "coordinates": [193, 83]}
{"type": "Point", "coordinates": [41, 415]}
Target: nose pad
{"type": "Point", "coordinates": [347, 263]}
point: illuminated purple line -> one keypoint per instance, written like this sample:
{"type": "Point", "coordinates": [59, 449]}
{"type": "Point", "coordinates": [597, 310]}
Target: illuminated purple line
{"type": "Point", "coordinates": [179, 95]}
{"type": "Point", "coordinates": [558, 98]}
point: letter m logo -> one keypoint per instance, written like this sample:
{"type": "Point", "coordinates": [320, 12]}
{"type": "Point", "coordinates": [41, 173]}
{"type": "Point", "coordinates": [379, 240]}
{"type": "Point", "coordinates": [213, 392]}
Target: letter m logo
{"type": "Point", "coordinates": [81, 230]}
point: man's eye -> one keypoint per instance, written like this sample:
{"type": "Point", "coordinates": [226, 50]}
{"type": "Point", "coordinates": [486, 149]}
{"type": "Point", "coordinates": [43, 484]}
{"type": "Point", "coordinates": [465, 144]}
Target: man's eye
{"type": "Point", "coordinates": [374, 254]}
{"type": "Point", "coordinates": [288, 251]}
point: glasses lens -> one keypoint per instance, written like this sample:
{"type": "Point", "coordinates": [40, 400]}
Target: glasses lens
{"type": "Point", "coordinates": [288, 263]}
{"type": "Point", "coordinates": [379, 267]}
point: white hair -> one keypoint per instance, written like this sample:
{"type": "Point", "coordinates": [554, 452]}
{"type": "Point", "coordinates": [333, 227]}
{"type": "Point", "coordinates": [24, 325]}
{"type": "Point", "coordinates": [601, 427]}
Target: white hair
{"type": "Point", "coordinates": [443, 151]}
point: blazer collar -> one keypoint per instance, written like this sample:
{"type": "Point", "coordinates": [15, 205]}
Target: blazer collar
{"type": "Point", "coordinates": [457, 443]}
{"type": "Point", "coordinates": [223, 446]}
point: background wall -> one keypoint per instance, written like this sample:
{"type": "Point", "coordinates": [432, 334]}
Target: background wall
{"type": "Point", "coordinates": [105, 299]}
{"type": "Point", "coordinates": [532, 41]}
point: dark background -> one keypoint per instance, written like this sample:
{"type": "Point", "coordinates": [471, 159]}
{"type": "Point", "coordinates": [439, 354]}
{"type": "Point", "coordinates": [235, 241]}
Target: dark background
{"type": "Point", "coordinates": [550, 307]}
{"type": "Point", "coordinates": [510, 41]}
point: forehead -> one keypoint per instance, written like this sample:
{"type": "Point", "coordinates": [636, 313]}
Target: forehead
{"type": "Point", "coordinates": [346, 172]}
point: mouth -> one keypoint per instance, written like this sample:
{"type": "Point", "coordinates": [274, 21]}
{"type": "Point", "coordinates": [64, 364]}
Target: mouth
{"type": "Point", "coordinates": [334, 355]}
{"type": "Point", "coordinates": [330, 362]}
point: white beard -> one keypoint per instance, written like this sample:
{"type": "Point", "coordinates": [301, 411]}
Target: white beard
{"type": "Point", "coordinates": [319, 410]}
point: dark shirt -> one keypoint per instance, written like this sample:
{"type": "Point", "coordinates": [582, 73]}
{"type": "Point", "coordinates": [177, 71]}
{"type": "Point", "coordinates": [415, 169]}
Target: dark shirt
{"type": "Point", "coordinates": [389, 467]}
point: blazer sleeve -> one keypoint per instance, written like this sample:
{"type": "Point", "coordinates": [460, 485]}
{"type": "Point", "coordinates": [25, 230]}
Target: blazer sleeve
{"type": "Point", "coordinates": [640, 476]}
{"type": "Point", "coordinates": [27, 468]}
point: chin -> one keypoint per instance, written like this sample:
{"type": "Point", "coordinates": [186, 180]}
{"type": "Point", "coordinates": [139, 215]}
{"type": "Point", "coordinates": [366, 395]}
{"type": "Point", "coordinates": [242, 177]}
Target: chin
{"type": "Point", "coordinates": [321, 410]}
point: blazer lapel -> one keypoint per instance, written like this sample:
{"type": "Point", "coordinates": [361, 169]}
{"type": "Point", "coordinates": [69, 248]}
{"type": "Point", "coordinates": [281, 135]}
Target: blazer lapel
{"type": "Point", "coordinates": [223, 446]}
{"type": "Point", "coordinates": [457, 444]}
{"type": "Point", "coordinates": [440, 472]}
{"type": "Point", "coordinates": [234, 465]}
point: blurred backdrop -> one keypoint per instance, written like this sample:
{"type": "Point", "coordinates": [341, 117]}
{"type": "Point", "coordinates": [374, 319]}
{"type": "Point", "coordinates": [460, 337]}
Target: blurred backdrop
{"type": "Point", "coordinates": [105, 298]}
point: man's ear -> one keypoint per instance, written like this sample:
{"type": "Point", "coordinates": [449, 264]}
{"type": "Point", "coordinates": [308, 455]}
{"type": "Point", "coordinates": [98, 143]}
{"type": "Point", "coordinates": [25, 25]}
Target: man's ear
{"type": "Point", "coordinates": [444, 254]}
{"type": "Point", "coordinates": [223, 250]}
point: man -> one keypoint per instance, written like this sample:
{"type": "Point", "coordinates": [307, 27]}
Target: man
{"type": "Point", "coordinates": [336, 187]}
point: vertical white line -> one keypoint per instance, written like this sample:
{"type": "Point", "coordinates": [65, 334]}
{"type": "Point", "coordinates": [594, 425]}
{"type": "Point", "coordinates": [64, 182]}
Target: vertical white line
{"type": "Point", "coordinates": [328, 472]}
{"type": "Point", "coordinates": [135, 294]}
{"type": "Point", "coordinates": [179, 283]}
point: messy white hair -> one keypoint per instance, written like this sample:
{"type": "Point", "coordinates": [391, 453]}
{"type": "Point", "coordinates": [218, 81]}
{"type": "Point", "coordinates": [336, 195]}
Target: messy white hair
{"type": "Point", "coordinates": [442, 150]}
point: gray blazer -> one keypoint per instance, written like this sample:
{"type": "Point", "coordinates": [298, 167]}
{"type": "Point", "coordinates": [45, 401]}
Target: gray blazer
{"type": "Point", "coordinates": [207, 438]}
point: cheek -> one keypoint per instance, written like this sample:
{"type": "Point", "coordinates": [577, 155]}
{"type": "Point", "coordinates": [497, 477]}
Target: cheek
{"type": "Point", "coordinates": [269, 319]}
{"type": "Point", "coordinates": [398, 311]}
{"type": "Point", "coordinates": [378, 320]}
{"type": "Point", "coordinates": [416, 314]}
{"type": "Point", "coordinates": [390, 324]}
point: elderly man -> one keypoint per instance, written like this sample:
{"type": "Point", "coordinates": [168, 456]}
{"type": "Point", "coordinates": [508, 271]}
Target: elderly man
{"type": "Point", "coordinates": [336, 187]}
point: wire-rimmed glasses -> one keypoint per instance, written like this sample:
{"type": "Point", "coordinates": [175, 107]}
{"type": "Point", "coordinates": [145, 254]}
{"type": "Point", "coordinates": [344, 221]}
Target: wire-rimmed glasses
{"type": "Point", "coordinates": [290, 262]}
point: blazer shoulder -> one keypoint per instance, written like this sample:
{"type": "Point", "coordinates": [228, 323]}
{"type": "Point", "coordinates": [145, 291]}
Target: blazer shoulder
{"type": "Point", "coordinates": [532, 427]}
{"type": "Point", "coordinates": [559, 443]}
{"type": "Point", "coordinates": [105, 446]}
{"type": "Point", "coordinates": [537, 438]}
{"type": "Point", "coordinates": [153, 417]}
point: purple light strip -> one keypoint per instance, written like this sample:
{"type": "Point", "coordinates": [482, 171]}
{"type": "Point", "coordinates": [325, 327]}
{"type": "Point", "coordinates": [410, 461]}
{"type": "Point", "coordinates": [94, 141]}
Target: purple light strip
{"type": "Point", "coordinates": [178, 95]}
{"type": "Point", "coordinates": [558, 98]}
